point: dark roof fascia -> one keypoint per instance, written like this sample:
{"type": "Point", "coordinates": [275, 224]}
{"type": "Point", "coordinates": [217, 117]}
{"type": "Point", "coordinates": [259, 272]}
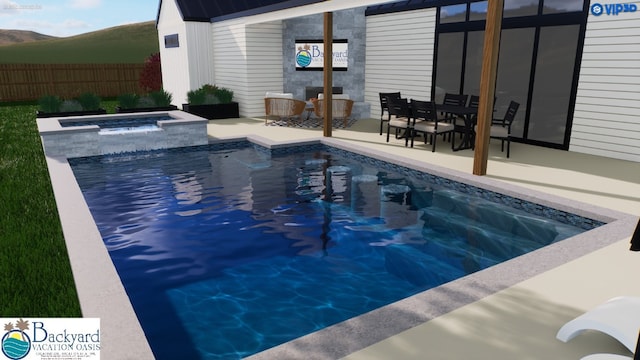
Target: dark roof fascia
{"type": "Point", "coordinates": [201, 19]}
{"type": "Point", "coordinates": [409, 5]}
{"type": "Point", "coordinates": [158, 13]}
{"type": "Point", "coordinates": [196, 19]}
{"type": "Point", "coordinates": [266, 9]}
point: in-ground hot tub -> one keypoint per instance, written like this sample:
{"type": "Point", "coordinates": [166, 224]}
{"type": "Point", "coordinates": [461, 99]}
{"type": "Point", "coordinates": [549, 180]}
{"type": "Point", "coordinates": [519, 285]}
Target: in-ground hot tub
{"type": "Point", "coordinates": [117, 133]}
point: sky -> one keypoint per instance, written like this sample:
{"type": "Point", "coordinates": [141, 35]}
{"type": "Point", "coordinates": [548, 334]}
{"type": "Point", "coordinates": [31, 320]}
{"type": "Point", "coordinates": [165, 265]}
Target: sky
{"type": "Point", "coordinates": [64, 18]}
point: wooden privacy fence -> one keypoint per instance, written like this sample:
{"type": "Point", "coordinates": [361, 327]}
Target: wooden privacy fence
{"type": "Point", "coordinates": [20, 82]}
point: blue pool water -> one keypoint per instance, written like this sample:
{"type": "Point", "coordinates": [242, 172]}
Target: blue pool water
{"type": "Point", "coordinates": [120, 124]}
{"type": "Point", "coordinates": [227, 252]}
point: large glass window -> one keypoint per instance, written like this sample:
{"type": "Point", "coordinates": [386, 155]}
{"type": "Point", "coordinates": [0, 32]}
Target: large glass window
{"type": "Point", "coordinates": [560, 6]}
{"type": "Point", "coordinates": [473, 65]}
{"type": "Point", "coordinates": [478, 11]}
{"type": "Point", "coordinates": [553, 83]}
{"type": "Point", "coordinates": [536, 63]}
{"type": "Point", "coordinates": [514, 8]}
{"type": "Point", "coordinates": [449, 68]}
{"type": "Point", "coordinates": [514, 71]}
{"type": "Point", "coordinates": [453, 13]}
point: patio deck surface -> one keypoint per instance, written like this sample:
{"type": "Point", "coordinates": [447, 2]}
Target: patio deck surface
{"type": "Point", "coordinates": [521, 321]}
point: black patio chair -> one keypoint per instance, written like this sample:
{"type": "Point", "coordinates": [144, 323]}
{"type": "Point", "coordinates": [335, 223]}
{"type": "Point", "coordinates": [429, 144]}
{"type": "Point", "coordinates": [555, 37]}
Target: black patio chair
{"type": "Point", "coordinates": [425, 121]}
{"type": "Point", "coordinates": [501, 128]}
{"type": "Point", "coordinates": [384, 106]}
{"type": "Point", "coordinates": [399, 118]}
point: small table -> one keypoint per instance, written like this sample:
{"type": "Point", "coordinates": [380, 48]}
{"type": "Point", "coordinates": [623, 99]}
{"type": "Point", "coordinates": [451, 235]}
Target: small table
{"type": "Point", "coordinates": [309, 108]}
{"type": "Point", "coordinates": [468, 114]}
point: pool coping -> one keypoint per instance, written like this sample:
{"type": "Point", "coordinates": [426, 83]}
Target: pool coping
{"type": "Point", "coordinates": [101, 293]}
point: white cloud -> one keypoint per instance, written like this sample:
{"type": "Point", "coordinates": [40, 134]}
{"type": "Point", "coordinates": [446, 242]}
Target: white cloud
{"type": "Point", "coordinates": [85, 4]}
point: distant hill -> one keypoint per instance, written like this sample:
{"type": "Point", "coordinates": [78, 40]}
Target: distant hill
{"type": "Point", "coordinates": [131, 43]}
{"type": "Point", "coordinates": [21, 36]}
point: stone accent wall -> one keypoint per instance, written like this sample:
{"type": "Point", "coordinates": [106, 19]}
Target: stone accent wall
{"type": "Point", "coordinates": [347, 24]}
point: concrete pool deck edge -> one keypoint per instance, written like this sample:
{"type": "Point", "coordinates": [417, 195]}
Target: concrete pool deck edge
{"type": "Point", "coordinates": [102, 295]}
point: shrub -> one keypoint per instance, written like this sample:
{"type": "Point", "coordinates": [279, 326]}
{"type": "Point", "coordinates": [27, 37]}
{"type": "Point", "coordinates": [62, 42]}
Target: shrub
{"type": "Point", "coordinates": [224, 95]}
{"type": "Point", "coordinates": [89, 101]}
{"type": "Point", "coordinates": [145, 102]}
{"type": "Point", "coordinates": [210, 94]}
{"type": "Point", "coordinates": [128, 101]}
{"type": "Point", "coordinates": [161, 98]}
{"type": "Point", "coordinates": [49, 103]}
{"type": "Point", "coordinates": [151, 75]}
{"type": "Point", "coordinates": [70, 106]}
{"type": "Point", "coordinates": [196, 97]}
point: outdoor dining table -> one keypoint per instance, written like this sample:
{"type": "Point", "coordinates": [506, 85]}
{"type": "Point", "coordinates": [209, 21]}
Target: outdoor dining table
{"type": "Point", "coordinates": [469, 115]}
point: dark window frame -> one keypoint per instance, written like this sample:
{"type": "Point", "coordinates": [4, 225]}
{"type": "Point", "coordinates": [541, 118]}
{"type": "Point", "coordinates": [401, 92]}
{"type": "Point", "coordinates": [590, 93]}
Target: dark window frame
{"type": "Point", "coordinates": [532, 21]}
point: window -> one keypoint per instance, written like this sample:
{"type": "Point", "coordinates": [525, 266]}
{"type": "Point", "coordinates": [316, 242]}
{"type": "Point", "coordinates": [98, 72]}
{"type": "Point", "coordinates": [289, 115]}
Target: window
{"type": "Point", "coordinates": [553, 82]}
{"type": "Point", "coordinates": [536, 64]}
{"type": "Point", "coordinates": [473, 67]}
{"type": "Point", "coordinates": [453, 13]}
{"type": "Point", "coordinates": [560, 6]}
{"type": "Point", "coordinates": [514, 71]}
{"type": "Point", "coordinates": [513, 8]}
{"type": "Point", "coordinates": [449, 70]}
{"type": "Point", "coordinates": [478, 11]}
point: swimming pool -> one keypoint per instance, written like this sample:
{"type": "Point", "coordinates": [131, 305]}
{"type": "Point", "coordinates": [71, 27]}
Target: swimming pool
{"type": "Point", "coordinates": [334, 212]}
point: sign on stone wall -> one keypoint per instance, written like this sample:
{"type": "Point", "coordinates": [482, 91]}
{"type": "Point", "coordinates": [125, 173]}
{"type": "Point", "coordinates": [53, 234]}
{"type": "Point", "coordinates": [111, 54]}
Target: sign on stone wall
{"type": "Point", "coordinates": [309, 55]}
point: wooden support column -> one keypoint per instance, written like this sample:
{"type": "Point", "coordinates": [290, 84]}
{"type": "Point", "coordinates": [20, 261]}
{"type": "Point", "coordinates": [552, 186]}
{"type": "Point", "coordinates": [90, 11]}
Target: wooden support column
{"type": "Point", "coordinates": [328, 74]}
{"type": "Point", "coordinates": [487, 85]}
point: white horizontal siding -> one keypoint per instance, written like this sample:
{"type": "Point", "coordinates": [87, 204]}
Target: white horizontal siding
{"type": "Point", "coordinates": [229, 58]}
{"type": "Point", "coordinates": [248, 60]}
{"type": "Point", "coordinates": [399, 55]}
{"type": "Point", "coordinates": [264, 60]}
{"type": "Point", "coordinates": [606, 119]}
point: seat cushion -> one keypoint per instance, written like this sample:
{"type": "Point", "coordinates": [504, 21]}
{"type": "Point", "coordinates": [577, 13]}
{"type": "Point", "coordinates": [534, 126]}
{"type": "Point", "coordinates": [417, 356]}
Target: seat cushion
{"type": "Point", "coordinates": [335, 96]}
{"type": "Point", "coordinates": [278, 95]}
{"type": "Point", "coordinates": [499, 131]}
{"type": "Point", "coordinates": [398, 122]}
{"type": "Point", "coordinates": [430, 127]}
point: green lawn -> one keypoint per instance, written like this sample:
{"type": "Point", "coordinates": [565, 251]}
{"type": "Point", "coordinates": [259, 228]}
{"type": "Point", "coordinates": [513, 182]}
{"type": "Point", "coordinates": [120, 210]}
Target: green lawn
{"type": "Point", "coordinates": [37, 279]}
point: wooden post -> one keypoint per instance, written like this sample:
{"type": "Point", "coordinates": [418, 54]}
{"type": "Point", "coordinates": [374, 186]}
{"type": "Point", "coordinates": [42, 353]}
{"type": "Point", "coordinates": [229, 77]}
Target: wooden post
{"type": "Point", "coordinates": [487, 85]}
{"type": "Point", "coordinates": [328, 74]}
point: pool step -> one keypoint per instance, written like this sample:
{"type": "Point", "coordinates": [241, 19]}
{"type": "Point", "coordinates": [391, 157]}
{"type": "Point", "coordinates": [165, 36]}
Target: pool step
{"type": "Point", "coordinates": [485, 238]}
{"type": "Point", "coordinates": [493, 215]}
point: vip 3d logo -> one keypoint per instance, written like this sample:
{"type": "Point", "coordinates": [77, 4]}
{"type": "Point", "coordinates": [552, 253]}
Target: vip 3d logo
{"type": "Point", "coordinates": [598, 9]}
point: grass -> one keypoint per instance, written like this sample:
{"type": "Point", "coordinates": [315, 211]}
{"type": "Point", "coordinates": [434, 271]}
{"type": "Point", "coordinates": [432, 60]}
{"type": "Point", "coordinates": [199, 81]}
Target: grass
{"type": "Point", "coordinates": [37, 279]}
{"type": "Point", "coordinates": [121, 44]}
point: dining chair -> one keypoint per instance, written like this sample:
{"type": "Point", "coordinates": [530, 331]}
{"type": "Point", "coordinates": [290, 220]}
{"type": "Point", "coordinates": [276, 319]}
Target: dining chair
{"type": "Point", "coordinates": [501, 128]}
{"type": "Point", "coordinates": [425, 121]}
{"type": "Point", "coordinates": [452, 99]}
{"type": "Point", "coordinates": [399, 118]}
{"type": "Point", "coordinates": [384, 106]}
